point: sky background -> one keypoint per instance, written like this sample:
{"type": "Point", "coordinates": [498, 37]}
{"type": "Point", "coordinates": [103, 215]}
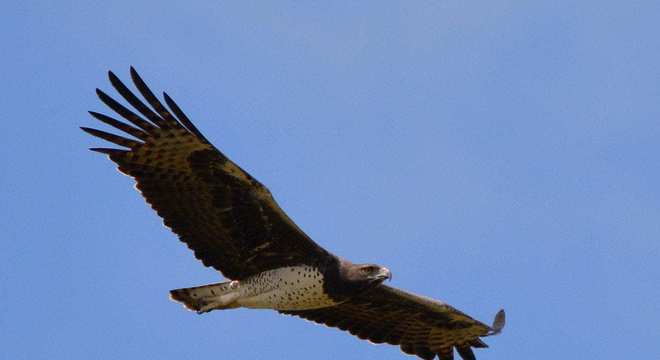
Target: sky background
{"type": "Point", "coordinates": [490, 153]}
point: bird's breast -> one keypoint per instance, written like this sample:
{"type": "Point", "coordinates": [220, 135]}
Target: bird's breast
{"type": "Point", "coordinates": [288, 288]}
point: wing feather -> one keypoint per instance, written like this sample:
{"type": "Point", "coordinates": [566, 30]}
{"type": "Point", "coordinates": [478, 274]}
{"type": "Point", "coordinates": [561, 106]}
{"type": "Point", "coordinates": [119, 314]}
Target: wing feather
{"type": "Point", "coordinates": [229, 219]}
{"type": "Point", "coordinates": [120, 125]}
{"type": "Point", "coordinates": [121, 141]}
{"type": "Point", "coordinates": [126, 113]}
{"type": "Point", "coordinates": [153, 100]}
{"type": "Point", "coordinates": [136, 103]}
{"type": "Point", "coordinates": [183, 118]}
{"type": "Point", "coordinates": [419, 325]}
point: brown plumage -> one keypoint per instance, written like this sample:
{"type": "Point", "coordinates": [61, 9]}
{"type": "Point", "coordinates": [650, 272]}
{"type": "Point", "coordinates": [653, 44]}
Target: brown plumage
{"type": "Point", "coordinates": [421, 326]}
{"type": "Point", "coordinates": [216, 208]}
{"type": "Point", "coordinates": [233, 224]}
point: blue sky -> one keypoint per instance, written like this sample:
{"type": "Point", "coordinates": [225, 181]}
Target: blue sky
{"type": "Point", "coordinates": [491, 154]}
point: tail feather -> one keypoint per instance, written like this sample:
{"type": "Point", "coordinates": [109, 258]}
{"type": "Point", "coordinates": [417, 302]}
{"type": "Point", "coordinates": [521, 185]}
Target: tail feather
{"type": "Point", "coordinates": [204, 298]}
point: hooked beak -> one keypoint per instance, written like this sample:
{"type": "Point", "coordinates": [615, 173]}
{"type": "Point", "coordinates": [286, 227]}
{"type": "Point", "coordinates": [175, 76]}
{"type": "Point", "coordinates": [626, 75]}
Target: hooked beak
{"type": "Point", "coordinates": [385, 273]}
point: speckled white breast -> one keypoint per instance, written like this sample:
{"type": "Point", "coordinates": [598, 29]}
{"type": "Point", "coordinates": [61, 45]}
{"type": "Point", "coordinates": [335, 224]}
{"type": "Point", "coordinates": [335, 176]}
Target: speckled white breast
{"type": "Point", "coordinates": [289, 288]}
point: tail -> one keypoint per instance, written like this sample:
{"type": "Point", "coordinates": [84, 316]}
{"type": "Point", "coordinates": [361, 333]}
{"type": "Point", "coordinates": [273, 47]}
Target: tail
{"type": "Point", "coordinates": [207, 297]}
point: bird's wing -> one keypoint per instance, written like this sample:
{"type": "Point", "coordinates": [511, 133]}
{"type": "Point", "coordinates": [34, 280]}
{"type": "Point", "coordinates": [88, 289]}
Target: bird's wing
{"type": "Point", "coordinates": [223, 214]}
{"type": "Point", "coordinates": [421, 326]}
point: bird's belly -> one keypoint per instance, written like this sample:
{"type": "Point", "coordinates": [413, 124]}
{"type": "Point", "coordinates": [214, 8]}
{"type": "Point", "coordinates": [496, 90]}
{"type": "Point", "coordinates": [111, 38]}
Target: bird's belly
{"type": "Point", "coordinates": [289, 288]}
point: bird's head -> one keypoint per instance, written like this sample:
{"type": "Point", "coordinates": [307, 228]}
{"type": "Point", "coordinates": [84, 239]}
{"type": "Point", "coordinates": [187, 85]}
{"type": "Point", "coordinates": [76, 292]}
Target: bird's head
{"type": "Point", "coordinates": [368, 274]}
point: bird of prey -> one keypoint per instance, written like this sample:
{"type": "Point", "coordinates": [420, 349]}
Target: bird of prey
{"type": "Point", "coordinates": [233, 224]}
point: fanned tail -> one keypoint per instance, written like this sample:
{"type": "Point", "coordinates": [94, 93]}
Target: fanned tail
{"type": "Point", "coordinates": [207, 297]}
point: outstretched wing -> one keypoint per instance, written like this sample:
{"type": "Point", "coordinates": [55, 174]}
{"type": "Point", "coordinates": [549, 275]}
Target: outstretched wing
{"type": "Point", "coordinates": [223, 214]}
{"type": "Point", "coordinates": [421, 326]}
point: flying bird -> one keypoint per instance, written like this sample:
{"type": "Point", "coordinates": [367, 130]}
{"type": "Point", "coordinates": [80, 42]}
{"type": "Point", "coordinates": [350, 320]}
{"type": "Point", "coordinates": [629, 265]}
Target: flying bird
{"type": "Point", "coordinates": [232, 223]}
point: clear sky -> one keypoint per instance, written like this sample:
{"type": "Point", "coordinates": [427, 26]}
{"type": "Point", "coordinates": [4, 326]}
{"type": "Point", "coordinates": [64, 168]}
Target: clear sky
{"type": "Point", "coordinates": [491, 154]}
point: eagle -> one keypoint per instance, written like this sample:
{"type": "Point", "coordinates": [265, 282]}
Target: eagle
{"type": "Point", "coordinates": [232, 223]}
